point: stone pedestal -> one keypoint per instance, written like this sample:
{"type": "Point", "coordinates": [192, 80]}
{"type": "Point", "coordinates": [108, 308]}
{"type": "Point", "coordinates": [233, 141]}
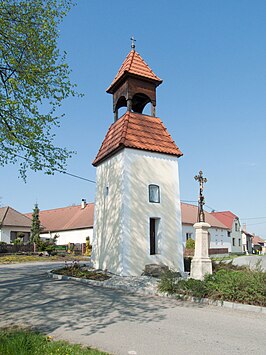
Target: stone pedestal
{"type": "Point", "coordinates": [201, 263]}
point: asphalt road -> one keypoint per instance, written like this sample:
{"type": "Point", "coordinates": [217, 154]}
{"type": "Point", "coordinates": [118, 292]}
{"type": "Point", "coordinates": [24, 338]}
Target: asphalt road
{"type": "Point", "coordinates": [121, 323]}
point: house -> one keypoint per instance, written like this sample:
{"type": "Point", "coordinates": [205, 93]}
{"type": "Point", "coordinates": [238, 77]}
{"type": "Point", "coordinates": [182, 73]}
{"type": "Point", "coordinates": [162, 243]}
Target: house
{"type": "Point", "coordinates": [137, 204]}
{"type": "Point", "coordinates": [218, 232]}
{"type": "Point", "coordinates": [246, 241]}
{"type": "Point", "coordinates": [13, 225]}
{"type": "Point", "coordinates": [258, 245]}
{"type": "Point", "coordinates": [72, 224]}
{"type": "Point", "coordinates": [231, 221]}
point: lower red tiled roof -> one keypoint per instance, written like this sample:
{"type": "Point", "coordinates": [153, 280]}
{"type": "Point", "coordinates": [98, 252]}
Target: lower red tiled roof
{"type": "Point", "coordinates": [226, 217]}
{"type": "Point", "coordinates": [66, 218]}
{"type": "Point", "coordinates": [134, 130]}
{"type": "Point", "coordinates": [190, 215]}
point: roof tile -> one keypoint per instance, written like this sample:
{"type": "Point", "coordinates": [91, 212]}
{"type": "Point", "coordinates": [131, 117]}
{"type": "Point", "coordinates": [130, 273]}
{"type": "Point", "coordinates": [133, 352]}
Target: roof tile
{"type": "Point", "coordinates": [135, 130]}
{"type": "Point", "coordinates": [134, 64]}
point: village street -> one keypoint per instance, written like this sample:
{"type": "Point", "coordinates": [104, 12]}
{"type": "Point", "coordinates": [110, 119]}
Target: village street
{"type": "Point", "coordinates": [121, 323]}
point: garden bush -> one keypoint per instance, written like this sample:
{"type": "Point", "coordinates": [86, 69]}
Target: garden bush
{"type": "Point", "coordinates": [232, 283]}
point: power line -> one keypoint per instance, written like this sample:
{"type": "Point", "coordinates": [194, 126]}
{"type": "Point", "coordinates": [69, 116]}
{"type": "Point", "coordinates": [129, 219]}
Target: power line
{"type": "Point", "coordinates": [58, 170]}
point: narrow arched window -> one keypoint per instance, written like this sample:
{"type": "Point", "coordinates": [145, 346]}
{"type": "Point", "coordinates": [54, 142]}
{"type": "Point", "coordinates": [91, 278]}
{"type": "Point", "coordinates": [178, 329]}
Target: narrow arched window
{"type": "Point", "coordinates": [154, 193]}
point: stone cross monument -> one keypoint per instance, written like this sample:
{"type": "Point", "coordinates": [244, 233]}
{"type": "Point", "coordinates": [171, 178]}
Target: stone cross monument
{"type": "Point", "coordinates": [201, 263]}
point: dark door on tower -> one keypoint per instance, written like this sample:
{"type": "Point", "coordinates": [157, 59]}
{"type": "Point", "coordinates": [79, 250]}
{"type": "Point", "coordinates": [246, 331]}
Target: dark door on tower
{"type": "Point", "coordinates": [152, 236]}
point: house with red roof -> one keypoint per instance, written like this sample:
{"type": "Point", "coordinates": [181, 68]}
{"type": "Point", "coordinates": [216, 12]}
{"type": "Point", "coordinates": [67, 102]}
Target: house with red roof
{"type": "Point", "coordinates": [259, 245]}
{"type": "Point", "coordinates": [13, 225]}
{"type": "Point", "coordinates": [72, 224]}
{"type": "Point", "coordinates": [231, 221]}
{"type": "Point", "coordinates": [218, 232]}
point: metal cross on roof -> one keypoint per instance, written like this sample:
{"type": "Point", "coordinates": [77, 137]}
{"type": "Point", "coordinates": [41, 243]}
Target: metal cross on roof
{"type": "Point", "coordinates": [201, 201]}
{"type": "Point", "coordinates": [133, 42]}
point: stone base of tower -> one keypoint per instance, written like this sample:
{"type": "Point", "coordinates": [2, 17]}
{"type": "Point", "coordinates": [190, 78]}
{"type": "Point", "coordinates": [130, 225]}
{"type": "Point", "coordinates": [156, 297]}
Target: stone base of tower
{"type": "Point", "coordinates": [201, 263]}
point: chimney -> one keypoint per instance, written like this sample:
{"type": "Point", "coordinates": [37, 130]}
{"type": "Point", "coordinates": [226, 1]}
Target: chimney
{"type": "Point", "coordinates": [83, 203]}
{"type": "Point", "coordinates": [244, 227]}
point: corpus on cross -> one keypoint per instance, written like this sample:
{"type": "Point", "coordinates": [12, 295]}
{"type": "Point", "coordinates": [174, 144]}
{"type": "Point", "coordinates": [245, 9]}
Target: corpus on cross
{"type": "Point", "coordinates": [201, 201]}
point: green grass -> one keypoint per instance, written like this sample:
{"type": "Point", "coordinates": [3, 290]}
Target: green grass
{"type": "Point", "coordinates": [26, 342]}
{"type": "Point", "coordinates": [227, 283]}
{"type": "Point", "coordinates": [13, 259]}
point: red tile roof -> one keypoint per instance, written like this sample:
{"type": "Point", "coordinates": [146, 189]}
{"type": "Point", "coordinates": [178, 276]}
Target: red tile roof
{"type": "Point", "coordinates": [67, 218]}
{"type": "Point", "coordinates": [135, 65]}
{"type": "Point", "coordinates": [226, 217]}
{"type": "Point", "coordinates": [256, 240]}
{"type": "Point", "coordinates": [11, 217]}
{"type": "Point", "coordinates": [134, 130]}
{"type": "Point", "coordinates": [190, 214]}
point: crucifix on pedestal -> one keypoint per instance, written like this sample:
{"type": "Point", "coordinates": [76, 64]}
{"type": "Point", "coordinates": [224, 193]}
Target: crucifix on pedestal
{"type": "Point", "coordinates": [201, 201]}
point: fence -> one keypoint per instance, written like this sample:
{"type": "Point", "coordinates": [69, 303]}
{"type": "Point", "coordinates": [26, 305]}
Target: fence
{"type": "Point", "coordinates": [15, 248]}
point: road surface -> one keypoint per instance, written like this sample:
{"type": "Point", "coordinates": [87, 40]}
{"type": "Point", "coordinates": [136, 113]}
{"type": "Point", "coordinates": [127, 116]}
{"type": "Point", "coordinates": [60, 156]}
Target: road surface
{"type": "Point", "coordinates": [121, 323]}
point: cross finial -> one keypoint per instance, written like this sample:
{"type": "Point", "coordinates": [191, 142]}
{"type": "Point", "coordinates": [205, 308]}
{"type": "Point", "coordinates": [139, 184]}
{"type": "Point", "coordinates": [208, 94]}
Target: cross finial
{"type": "Point", "coordinates": [133, 42]}
{"type": "Point", "coordinates": [201, 201]}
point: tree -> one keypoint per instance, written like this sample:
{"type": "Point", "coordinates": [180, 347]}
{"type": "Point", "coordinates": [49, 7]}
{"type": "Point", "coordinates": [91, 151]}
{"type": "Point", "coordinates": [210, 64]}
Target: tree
{"type": "Point", "coordinates": [34, 79]}
{"type": "Point", "coordinates": [35, 226]}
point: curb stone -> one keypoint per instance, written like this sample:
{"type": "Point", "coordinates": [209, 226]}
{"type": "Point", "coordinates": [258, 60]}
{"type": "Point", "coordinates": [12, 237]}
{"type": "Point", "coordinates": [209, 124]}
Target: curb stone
{"type": "Point", "coordinates": [154, 292]}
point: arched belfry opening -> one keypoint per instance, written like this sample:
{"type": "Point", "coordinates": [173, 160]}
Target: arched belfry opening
{"type": "Point", "coordinates": [134, 86]}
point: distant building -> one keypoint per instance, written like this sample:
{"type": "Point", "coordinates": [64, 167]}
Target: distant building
{"type": "Point", "coordinates": [13, 225]}
{"type": "Point", "coordinates": [218, 233]}
{"type": "Point", "coordinates": [246, 242]}
{"type": "Point", "coordinates": [231, 221]}
{"type": "Point", "coordinates": [259, 245]}
{"type": "Point", "coordinates": [71, 224]}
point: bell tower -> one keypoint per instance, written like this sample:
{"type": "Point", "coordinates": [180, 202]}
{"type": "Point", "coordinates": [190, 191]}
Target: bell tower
{"type": "Point", "coordinates": [137, 215]}
{"type": "Point", "coordinates": [134, 85]}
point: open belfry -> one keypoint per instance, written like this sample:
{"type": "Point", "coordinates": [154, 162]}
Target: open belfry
{"type": "Point", "coordinates": [137, 217]}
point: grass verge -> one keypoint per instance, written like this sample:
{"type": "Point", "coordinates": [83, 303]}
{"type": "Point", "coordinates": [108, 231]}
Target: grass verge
{"type": "Point", "coordinates": [235, 284]}
{"type": "Point", "coordinates": [25, 342]}
{"type": "Point", "coordinates": [13, 259]}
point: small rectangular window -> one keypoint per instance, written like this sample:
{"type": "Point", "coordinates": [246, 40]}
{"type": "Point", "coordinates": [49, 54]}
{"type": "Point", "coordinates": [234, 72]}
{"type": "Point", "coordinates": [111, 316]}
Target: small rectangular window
{"type": "Point", "coordinates": [154, 227]}
{"type": "Point", "coordinates": [236, 227]}
{"type": "Point", "coordinates": [234, 242]}
{"type": "Point", "coordinates": [188, 236]}
{"type": "Point", "coordinates": [154, 194]}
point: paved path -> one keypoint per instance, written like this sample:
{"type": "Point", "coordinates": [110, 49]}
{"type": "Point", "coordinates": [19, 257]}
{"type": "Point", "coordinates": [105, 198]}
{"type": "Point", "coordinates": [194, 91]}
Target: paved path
{"type": "Point", "coordinates": [251, 260]}
{"type": "Point", "coordinates": [122, 323]}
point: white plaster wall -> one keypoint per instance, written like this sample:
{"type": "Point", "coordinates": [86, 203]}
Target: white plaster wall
{"type": "Point", "coordinates": [106, 242]}
{"type": "Point", "coordinates": [71, 236]}
{"type": "Point", "coordinates": [141, 169]}
{"type": "Point", "coordinates": [218, 237]}
{"type": "Point", "coordinates": [5, 232]}
{"type": "Point", "coordinates": [238, 236]}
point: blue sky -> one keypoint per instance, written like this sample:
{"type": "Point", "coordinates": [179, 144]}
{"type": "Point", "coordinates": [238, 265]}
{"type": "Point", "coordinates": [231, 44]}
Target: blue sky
{"type": "Point", "coordinates": [212, 58]}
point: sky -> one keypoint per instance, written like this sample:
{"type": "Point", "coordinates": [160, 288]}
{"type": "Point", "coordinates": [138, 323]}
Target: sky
{"type": "Point", "coordinates": [211, 55]}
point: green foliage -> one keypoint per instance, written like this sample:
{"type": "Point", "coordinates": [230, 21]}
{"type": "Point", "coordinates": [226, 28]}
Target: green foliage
{"type": "Point", "coordinates": [35, 226]}
{"type": "Point", "coordinates": [168, 282]}
{"type": "Point", "coordinates": [47, 245]}
{"type": "Point", "coordinates": [34, 80]}
{"type": "Point", "coordinates": [25, 342]}
{"type": "Point", "coordinates": [238, 284]}
{"type": "Point", "coordinates": [190, 244]}
{"type": "Point", "coordinates": [18, 241]}
{"type": "Point", "coordinates": [76, 270]}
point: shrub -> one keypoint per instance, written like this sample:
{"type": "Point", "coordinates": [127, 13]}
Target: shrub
{"type": "Point", "coordinates": [190, 244]}
{"type": "Point", "coordinates": [168, 282]}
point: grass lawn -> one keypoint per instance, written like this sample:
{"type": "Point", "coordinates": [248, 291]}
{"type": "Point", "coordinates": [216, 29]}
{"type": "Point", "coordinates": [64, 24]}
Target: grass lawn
{"type": "Point", "coordinates": [11, 259]}
{"type": "Point", "coordinates": [27, 342]}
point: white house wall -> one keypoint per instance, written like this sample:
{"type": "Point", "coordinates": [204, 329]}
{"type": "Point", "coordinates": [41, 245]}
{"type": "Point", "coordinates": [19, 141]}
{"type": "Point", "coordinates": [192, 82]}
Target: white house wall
{"type": "Point", "coordinates": [142, 169]}
{"type": "Point", "coordinates": [218, 237]}
{"type": "Point", "coordinates": [70, 236]}
{"type": "Point", "coordinates": [106, 245]}
{"type": "Point", "coordinates": [6, 230]}
{"type": "Point", "coordinates": [237, 236]}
